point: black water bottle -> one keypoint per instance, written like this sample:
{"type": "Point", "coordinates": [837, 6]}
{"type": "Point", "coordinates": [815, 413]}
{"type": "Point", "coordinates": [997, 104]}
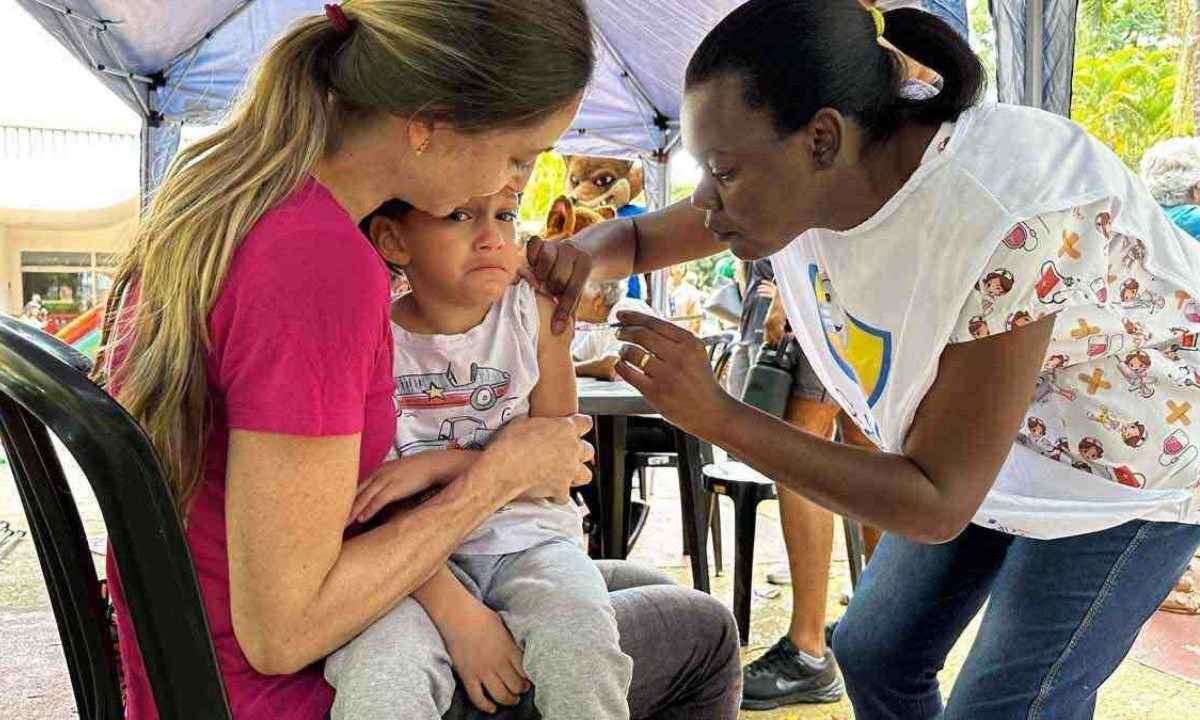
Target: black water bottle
{"type": "Point", "coordinates": [769, 381]}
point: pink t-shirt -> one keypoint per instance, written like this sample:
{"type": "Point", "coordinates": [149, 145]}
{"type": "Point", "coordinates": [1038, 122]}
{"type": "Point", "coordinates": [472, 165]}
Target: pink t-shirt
{"type": "Point", "coordinates": [300, 346]}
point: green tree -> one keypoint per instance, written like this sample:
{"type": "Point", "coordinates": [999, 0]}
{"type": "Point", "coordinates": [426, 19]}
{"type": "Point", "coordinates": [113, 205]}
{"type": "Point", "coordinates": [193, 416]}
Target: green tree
{"type": "Point", "coordinates": [1125, 98]}
{"type": "Point", "coordinates": [1129, 60]}
{"type": "Point", "coordinates": [545, 183]}
{"type": "Point", "coordinates": [1184, 23]}
{"type": "Point", "coordinates": [983, 36]}
{"type": "Point", "coordinates": [1109, 25]}
{"type": "Point", "coordinates": [1134, 69]}
{"type": "Point", "coordinates": [682, 191]}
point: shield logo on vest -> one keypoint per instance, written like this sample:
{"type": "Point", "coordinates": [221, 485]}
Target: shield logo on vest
{"type": "Point", "coordinates": [863, 352]}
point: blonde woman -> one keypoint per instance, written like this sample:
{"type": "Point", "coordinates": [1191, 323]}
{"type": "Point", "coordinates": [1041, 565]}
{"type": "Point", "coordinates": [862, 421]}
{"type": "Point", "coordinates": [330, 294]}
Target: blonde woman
{"type": "Point", "coordinates": [249, 336]}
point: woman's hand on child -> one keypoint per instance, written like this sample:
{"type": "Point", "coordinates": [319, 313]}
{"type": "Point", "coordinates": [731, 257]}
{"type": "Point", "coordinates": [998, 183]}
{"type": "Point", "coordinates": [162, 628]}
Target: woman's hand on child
{"type": "Point", "coordinates": [542, 457]}
{"type": "Point", "coordinates": [486, 658]}
{"type": "Point", "coordinates": [560, 270]}
{"type": "Point", "coordinates": [407, 477]}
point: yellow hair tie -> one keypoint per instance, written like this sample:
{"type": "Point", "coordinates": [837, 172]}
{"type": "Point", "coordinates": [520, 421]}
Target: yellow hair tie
{"type": "Point", "coordinates": [877, 16]}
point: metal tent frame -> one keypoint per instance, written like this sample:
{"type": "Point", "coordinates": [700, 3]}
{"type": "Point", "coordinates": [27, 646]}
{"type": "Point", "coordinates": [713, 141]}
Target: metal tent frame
{"type": "Point", "coordinates": [621, 120]}
{"type": "Point", "coordinates": [185, 64]}
{"type": "Point", "coordinates": [181, 72]}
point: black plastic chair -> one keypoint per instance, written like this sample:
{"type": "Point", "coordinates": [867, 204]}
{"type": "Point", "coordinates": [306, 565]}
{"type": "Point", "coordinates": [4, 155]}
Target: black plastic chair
{"type": "Point", "coordinates": [746, 488]}
{"type": "Point", "coordinates": [720, 349]}
{"type": "Point", "coordinates": [52, 345]}
{"type": "Point", "coordinates": [43, 386]}
{"type": "Point", "coordinates": [856, 549]}
{"type": "Point", "coordinates": [43, 389]}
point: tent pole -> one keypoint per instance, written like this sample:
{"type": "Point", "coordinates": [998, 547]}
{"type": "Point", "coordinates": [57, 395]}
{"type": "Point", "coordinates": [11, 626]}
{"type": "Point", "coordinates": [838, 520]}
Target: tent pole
{"type": "Point", "coordinates": [195, 49]}
{"type": "Point", "coordinates": [182, 76]}
{"type": "Point", "coordinates": [674, 142]}
{"type": "Point", "coordinates": [159, 143]}
{"type": "Point", "coordinates": [1034, 51]}
{"type": "Point", "coordinates": [237, 10]}
{"type": "Point", "coordinates": [664, 187]}
{"type": "Point", "coordinates": [145, 164]}
{"type": "Point", "coordinates": [639, 95]}
{"type": "Point", "coordinates": [101, 28]}
{"type": "Point", "coordinates": [658, 164]}
{"type": "Point", "coordinates": [636, 86]}
{"type": "Point", "coordinates": [68, 12]}
{"type": "Point", "coordinates": [116, 56]}
{"type": "Point", "coordinates": [79, 39]}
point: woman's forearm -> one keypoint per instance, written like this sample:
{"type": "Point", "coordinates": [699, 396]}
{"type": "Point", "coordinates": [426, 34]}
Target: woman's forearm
{"type": "Point", "coordinates": [378, 568]}
{"type": "Point", "coordinates": [647, 242]}
{"type": "Point", "coordinates": [601, 368]}
{"type": "Point", "coordinates": [886, 490]}
{"type": "Point", "coordinates": [298, 589]}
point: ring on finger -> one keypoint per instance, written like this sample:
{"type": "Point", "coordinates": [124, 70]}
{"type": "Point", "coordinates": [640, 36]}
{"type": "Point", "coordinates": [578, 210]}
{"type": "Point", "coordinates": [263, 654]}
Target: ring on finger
{"type": "Point", "coordinates": [644, 361]}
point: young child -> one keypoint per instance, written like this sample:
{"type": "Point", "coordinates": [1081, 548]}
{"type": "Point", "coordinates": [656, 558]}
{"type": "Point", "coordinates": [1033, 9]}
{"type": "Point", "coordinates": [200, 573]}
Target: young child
{"type": "Point", "coordinates": [519, 601]}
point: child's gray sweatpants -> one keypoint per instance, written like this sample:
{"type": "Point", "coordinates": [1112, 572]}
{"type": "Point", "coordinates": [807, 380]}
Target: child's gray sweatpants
{"type": "Point", "coordinates": [554, 602]}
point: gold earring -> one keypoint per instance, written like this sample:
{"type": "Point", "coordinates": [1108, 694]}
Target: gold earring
{"type": "Point", "coordinates": [421, 148]}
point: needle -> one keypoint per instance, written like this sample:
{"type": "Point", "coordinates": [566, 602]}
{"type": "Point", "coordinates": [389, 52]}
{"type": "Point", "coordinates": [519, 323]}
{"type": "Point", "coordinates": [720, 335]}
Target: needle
{"type": "Point", "coordinates": [597, 326]}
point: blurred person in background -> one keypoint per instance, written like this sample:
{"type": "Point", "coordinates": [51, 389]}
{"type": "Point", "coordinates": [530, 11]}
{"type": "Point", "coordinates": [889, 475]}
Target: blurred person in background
{"type": "Point", "coordinates": [1171, 169]}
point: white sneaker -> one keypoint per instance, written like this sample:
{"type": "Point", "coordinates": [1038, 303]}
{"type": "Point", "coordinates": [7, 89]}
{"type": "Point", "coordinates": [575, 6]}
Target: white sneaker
{"type": "Point", "coordinates": [780, 575]}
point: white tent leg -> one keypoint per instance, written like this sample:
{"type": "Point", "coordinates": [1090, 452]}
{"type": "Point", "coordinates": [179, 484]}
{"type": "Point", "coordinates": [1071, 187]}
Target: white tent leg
{"type": "Point", "coordinates": [1034, 49]}
{"type": "Point", "coordinates": [658, 196]}
{"type": "Point", "coordinates": [159, 142]}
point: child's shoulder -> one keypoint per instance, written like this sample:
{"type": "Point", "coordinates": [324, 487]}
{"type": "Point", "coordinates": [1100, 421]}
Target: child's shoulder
{"type": "Point", "coordinates": [546, 306]}
{"type": "Point", "coordinates": [525, 306]}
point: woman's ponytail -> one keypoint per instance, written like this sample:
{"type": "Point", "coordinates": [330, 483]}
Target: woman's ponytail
{"type": "Point", "coordinates": [798, 56]}
{"type": "Point", "coordinates": [934, 44]}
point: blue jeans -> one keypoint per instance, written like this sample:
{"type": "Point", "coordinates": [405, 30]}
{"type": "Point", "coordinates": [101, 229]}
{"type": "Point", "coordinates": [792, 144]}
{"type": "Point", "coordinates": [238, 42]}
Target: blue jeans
{"type": "Point", "coordinates": [1061, 616]}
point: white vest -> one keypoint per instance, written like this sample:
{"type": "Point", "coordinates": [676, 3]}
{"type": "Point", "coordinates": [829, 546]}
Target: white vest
{"type": "Point", "coordinates": [874, 307]}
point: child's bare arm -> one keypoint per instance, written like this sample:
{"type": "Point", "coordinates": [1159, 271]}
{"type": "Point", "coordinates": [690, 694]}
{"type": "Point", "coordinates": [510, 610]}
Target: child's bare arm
{"type": "Point", "coordinates": [555, 394]}
{"type": "Point", "coordinates": [604, 368]}
{"type": "Point", "coordinates": [484, 653]}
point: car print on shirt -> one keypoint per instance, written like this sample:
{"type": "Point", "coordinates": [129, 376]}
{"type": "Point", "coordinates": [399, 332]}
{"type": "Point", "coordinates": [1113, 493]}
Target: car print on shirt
{"type": "Point", "coordinates": [442, 390]}
{"type": "Point", "coordinates": [458, 433]}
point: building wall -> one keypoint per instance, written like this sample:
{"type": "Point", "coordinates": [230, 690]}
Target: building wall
{"type": "Point", "coordinates": [4, 273]}
{"type": "Point", "coordinates": [107, 230]}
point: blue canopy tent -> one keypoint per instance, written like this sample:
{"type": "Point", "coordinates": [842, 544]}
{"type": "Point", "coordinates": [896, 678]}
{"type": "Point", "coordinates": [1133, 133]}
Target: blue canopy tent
{"type": "Point", "coordinates": [178, 63]}
{"type": "Point", "coordinates": [184, 62]}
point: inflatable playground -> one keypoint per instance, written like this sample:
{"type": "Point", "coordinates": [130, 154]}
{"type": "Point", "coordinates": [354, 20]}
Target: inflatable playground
{"type": "Point", "coordinates": [83, 333]}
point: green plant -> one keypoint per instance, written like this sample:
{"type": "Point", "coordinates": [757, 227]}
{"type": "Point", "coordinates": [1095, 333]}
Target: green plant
{"type": "Point", "coordinates": [545, 183]}
{"type": "Point", "coordinates": [682, 191]}
{"type": "Point", "coordinates": [1125, 98]}
{"type": "Point", "coordinates": [982, 35]}
{"type": "Point", "coordinates": [1108, 25]}
{"type": "Point", "coordinates": [59, 307]}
